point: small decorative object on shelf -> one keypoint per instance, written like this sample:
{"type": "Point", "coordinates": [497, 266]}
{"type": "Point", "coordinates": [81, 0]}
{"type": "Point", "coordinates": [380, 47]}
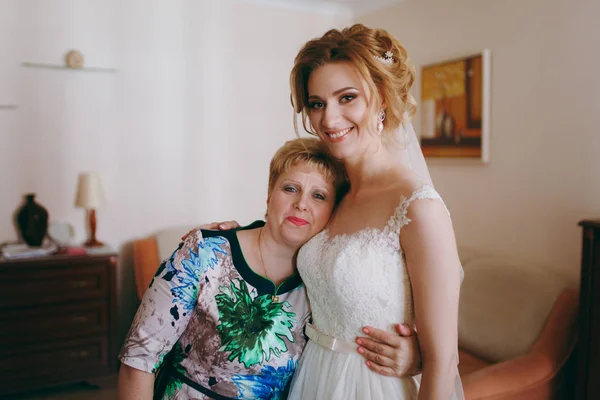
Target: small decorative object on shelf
{"type": "Point", "coordinates": [74, 59]}
{"type": "Point", "coordinates": [32, 220]}
{"type": "Point", "coordinates": [90, 196]}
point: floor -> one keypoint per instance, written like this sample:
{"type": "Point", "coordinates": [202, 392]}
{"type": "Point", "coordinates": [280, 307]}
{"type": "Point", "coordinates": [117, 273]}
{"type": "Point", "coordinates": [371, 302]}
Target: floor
{"type": "Point", "coordinates": [80, 391]}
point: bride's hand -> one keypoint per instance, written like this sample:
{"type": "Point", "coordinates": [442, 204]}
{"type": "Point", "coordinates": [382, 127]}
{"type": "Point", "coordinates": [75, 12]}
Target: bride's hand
{"type": "Point", "coordinates": [215, 226]}
{"type": "Point", "coordinates": [389, 354]}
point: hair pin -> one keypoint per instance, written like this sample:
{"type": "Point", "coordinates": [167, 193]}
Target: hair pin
{"type": "Point", "coordinates": [388, 58]}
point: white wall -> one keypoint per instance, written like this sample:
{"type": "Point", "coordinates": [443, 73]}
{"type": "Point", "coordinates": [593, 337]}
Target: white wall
{"type": "Point", "coordinates": [66, 121]}
{"type": "Point", "coordinates": [544, 173]}
{"type": "Point", "coordinates": [8, 118]}
{"type": "Point", "coordinates": [181, 134]}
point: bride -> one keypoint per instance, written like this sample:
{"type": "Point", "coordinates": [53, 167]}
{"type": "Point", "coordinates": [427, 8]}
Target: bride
{"type": "Point", "coordinates": [388, 252]}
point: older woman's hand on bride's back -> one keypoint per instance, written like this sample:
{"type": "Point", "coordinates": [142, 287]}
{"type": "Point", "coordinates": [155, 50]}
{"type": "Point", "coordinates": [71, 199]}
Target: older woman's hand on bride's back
{"type": "Point", "coordinates": [215, 226]}
{"type": "Point", "coordinates": [390, 354]}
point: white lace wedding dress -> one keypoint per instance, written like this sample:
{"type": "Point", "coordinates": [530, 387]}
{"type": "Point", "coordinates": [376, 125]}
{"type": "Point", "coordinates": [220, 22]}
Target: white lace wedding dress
{"type": "Point", "coordinates": [352, 281]}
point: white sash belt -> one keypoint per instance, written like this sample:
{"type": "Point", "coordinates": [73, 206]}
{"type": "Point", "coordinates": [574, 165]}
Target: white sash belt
{"type": "Point", "coordinates": [329, 342]}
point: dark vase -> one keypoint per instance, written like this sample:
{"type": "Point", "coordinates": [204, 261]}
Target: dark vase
{"type": "Point", "coordinates": [33, 221]}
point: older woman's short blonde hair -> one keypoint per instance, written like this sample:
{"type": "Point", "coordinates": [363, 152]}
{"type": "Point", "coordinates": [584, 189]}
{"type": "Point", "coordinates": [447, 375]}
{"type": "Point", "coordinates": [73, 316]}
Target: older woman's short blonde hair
{"type": "Point", "coordinates": [313, 153]}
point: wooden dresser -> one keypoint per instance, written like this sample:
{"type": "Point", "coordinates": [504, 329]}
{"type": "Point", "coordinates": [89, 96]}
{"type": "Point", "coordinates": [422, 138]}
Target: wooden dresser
{"type": "Point", "coordinates": [57, 321]}
{"type": "Point", "coordinates": [587, 376]}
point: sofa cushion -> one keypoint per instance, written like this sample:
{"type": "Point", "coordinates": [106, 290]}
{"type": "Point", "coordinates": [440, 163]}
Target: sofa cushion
{"type": "Point", "coordinates": [466, 254]}
{"type": "Point", "coordinates": [468, 363]}
{"type": "Point", "coordinates": [504, 306]}
{"type": "Point", "coordinates": [167, 240]}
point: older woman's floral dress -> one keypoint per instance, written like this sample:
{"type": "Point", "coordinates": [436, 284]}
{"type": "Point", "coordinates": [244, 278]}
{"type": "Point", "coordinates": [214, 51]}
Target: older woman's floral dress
{"type": "Point", "coordinates": [214, 328]}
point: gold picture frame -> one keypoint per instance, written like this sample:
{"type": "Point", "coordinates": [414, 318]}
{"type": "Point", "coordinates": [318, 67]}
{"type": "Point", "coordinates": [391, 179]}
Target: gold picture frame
{"type": "Point", "coordinates": [455, 108]}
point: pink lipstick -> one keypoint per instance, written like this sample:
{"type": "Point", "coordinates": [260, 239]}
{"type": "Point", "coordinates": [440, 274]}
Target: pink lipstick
{"type": "Point", "coordinates": [297, 221]}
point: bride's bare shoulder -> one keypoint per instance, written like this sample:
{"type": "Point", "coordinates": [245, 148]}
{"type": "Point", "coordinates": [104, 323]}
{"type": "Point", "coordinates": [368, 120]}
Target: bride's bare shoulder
{"type": "Point", "coordinates": [406, 185]}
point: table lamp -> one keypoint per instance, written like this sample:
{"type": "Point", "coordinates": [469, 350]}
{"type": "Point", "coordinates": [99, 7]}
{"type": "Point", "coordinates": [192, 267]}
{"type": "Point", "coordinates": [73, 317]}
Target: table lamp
{"type": "Point", "coordinates": [90, 196]}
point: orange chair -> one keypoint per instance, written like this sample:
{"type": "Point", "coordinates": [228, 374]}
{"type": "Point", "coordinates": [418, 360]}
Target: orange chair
{"type": "Point", "coordinates": [145, 263]}
{"type": "Point", "coordinates": [517, 330]}
{"type": "Point", "coordinates": [148, 253]}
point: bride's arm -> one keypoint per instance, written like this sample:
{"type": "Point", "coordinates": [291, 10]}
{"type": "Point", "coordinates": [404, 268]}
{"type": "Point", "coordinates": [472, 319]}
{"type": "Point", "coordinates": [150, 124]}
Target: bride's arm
{"type": "Point", "coordinates": [434, 269]}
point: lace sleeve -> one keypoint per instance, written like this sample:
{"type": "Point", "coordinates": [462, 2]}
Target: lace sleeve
{"type": "Point", "coordinates": [400, 219]}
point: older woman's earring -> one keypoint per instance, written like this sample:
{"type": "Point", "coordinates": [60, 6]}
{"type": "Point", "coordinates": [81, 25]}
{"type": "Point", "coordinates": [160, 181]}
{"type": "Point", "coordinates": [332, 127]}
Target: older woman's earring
{"type": "Point", "coordinates": [380, 118]}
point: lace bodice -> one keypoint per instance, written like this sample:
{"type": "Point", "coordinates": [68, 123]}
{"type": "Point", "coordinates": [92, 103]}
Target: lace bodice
{"type": "Point", "coordinates": [360, 279]}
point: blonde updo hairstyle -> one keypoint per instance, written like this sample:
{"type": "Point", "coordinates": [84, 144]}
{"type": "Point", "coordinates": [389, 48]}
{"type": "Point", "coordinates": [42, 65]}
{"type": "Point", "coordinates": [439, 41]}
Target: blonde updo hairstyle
{"type": "Point", "coordinates": [389, 84]}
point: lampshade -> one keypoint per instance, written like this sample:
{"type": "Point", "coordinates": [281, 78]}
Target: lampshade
{"type": "Point", "coordinates": [89, 191]}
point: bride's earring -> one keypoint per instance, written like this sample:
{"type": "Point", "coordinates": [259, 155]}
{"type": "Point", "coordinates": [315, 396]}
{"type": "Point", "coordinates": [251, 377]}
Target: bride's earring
{"type": "Point", "coordinates": [380, 118]}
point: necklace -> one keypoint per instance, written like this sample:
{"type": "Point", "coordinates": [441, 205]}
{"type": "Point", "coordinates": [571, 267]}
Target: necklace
{"type": "Point", "coordinates": [264, 266]}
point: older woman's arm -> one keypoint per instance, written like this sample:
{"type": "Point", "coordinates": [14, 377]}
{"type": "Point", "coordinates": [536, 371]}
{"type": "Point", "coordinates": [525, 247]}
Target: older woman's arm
{"type": "Point", "coordinates": [434, 269]}
{"type": "Point", "coordinates": [135, 384]}
{"type": "Point", "coordinates": [161, 318]}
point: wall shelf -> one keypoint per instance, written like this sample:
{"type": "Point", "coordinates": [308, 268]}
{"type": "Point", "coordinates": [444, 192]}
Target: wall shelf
{"type": "Point", "coordinates": [8, 106]}
{"type": "Point", "coordinates": [64, 67]}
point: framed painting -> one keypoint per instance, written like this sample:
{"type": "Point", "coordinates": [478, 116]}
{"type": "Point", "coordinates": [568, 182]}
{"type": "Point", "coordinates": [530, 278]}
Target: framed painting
{"type": "Point", "coordinates": [455, 108]}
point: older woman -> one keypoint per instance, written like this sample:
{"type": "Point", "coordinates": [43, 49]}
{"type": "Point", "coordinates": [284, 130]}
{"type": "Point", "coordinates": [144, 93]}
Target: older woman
{"type": "Point", "coordinates": [224, 316]}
